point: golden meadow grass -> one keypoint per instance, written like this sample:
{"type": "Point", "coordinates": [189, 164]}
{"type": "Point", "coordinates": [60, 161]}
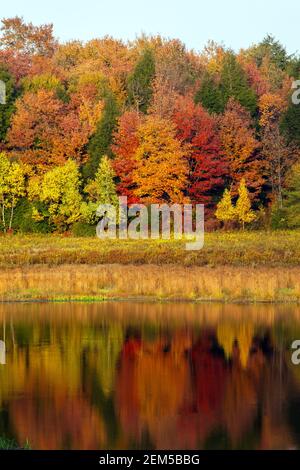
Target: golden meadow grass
{"type": "Point", "coordinates": [150, 281]}
{"type": "Point", "coordinates": [249, 266]}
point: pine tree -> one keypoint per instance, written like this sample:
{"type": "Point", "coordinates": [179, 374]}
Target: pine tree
{"type": "Point", "coordinates": [225, 210]}
{"type": "Point", "coordinates": [243, 211]}
{"type": "Point", "coordinates": [209, 95]}
{"type": "Point", "coordinates": [100, 143]}
{"type": "Point", "coordinates": [291, 123]}
{"type": "Point", "coordinates": [140, 81]}
{"type": "Point", "coordinates": [271, 49]}
{"type": "Point", "coordinates": [233, 83]}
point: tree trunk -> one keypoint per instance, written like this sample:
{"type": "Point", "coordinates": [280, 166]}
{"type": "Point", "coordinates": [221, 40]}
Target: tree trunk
{"type": "Point", "coordinates": [11, 214]}
{"type": "Point", "coordinates": [3, 217]}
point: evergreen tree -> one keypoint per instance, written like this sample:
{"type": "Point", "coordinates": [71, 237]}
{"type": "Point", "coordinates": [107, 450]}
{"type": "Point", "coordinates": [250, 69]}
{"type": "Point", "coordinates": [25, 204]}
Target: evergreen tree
{"type": "Point", "coordinates": [233, 83]}
{"type": "Point", "coordinates": [271, 49]}
{"type": "Point", "coordinates": [140, 81]}
{"type": "Point", "coordinates": [290, 125]}
{"type": "Point", "coordinates": [225, 210]}
{"type": "Point", "coordinates": [209, 95]}
{"type": "Point", "coordinates": [244, 213]}
{"type": "Point", "coordinates": [100, 143]}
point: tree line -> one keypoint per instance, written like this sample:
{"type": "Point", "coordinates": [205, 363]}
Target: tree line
{"type": "Point", "coordinates": [150, 120]}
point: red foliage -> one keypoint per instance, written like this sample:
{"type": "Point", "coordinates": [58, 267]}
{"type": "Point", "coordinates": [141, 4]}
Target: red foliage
{"type": "Point", "coordinates": [124, 148]}
{"type": "Point", "coordinates": [207, 165]}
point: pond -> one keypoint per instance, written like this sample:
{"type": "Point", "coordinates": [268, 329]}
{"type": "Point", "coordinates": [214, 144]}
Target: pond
{"type": "Point", "coordinates": [122, 375]}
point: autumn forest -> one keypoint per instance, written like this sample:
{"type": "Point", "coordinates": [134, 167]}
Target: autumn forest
{"type": "Point", "coordinates": [150, 120]}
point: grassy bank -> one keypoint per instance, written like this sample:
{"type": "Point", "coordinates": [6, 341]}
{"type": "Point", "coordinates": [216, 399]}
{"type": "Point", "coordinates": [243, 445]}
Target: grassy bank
{"type": "Point", "coordinates": [248, 267]}
{"type": "Point", "coordinates": [274, 249]}
{"type": "Point", "coordinates": [11, 444]}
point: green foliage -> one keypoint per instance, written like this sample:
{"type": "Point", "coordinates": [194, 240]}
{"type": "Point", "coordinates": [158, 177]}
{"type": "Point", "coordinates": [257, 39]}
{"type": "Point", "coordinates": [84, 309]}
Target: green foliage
{"type": "Point", "coordinates": [292, 198]}
{"type": "Point", "coordinates": [23, 218]}
{"type": "Point", "coordinates": [290, 125]}
{"type": "Point", "coordinates": [278, 218]}
{"type": "Point", "coordinates": [233, 83]}
{"type": "Point", "coordinates": [214, 95]}
{"type": "Point", "coordinates": [209, 95]}
{"type": "Point", "coordinates": [140, 81]}
{"type": "Point", "coordinates": [271, 49]}
{"type": "Point", "coordinates": [7, 109]}
{"type": "Point", "coordinates": [288, 216]}
{"type": "Point", "coordinates": [83, 229]}
{"type": "Point", "coordinates": [11, 444]}
{"type": "Point", "coordinates": [100, 143]}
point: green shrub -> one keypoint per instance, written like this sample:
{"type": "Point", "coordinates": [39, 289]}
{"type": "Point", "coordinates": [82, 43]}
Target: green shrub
{"type": "Point", "coordinates": [82, 229]}
{"type": "Point", "coordinates": [278, 218]}
{"type": "Point", "coordinates": [23, 221]}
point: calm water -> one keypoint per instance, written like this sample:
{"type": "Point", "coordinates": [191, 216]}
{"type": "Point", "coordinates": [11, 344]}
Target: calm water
{"type": "Point", "coordinates": [124, 375]}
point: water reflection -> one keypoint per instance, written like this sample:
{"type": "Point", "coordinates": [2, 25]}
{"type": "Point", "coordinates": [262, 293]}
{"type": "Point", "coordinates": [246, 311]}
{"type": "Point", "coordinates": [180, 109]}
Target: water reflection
{"type": "Point", "coordinates": [121, 375]}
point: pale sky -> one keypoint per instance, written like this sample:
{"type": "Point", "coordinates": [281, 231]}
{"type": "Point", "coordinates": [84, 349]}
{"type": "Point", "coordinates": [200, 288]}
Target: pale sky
{"type": "Point", "coordinates": [236, 23]}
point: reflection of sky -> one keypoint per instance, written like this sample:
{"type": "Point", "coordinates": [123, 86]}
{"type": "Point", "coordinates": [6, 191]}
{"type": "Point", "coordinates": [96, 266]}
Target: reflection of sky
{"type": "Point", "coordinates": [237, 23]}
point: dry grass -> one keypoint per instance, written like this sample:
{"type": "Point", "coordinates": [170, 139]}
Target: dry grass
{"type": "Point", "coordinates": [249, 266]}
{"type": "Point", "coordinates": [234, 249]}
{"type": "Point", "coordinates": [150, 281]}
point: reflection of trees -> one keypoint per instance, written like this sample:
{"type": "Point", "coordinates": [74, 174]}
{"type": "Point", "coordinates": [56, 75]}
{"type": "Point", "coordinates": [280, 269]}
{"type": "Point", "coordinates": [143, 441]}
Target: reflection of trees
{"type": "Point", "coordinates": [241, 333]}
{"type": "Point", "coordinates": [91, 386]}
{"type": "Point", "coordinates": [240, 404]}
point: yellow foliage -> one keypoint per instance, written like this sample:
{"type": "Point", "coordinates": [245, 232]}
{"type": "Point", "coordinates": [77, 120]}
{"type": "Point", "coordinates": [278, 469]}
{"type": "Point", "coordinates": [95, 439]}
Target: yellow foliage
{"type": "Point", "coordinates": [161, 172]}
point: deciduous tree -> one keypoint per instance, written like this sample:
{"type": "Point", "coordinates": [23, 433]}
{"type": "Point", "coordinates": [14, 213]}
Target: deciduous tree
{"type": "Point", "coordinates": [207, 166]}
{"type": "Point", "coordinates": [225, 209]}
{"type": "Point", "coordinates": [241, 148]}
{"type": "Point", "coordinates": [161, 170]}
{"type": "Point", "coordinates": [12, 188]}
{"type": "Point", "coordinates": [244, 213]}
{"type": "Point", "coordinates": [124, 148]}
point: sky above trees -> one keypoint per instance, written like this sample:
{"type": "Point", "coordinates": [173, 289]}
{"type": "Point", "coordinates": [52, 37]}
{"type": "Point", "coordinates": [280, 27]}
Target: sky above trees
{"type": "Point", "coordinates": [236, 23]}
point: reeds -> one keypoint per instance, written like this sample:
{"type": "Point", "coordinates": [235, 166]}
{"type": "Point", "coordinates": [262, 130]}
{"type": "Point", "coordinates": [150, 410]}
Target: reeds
{"type": "Point", "coordinates": [172, 282]}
